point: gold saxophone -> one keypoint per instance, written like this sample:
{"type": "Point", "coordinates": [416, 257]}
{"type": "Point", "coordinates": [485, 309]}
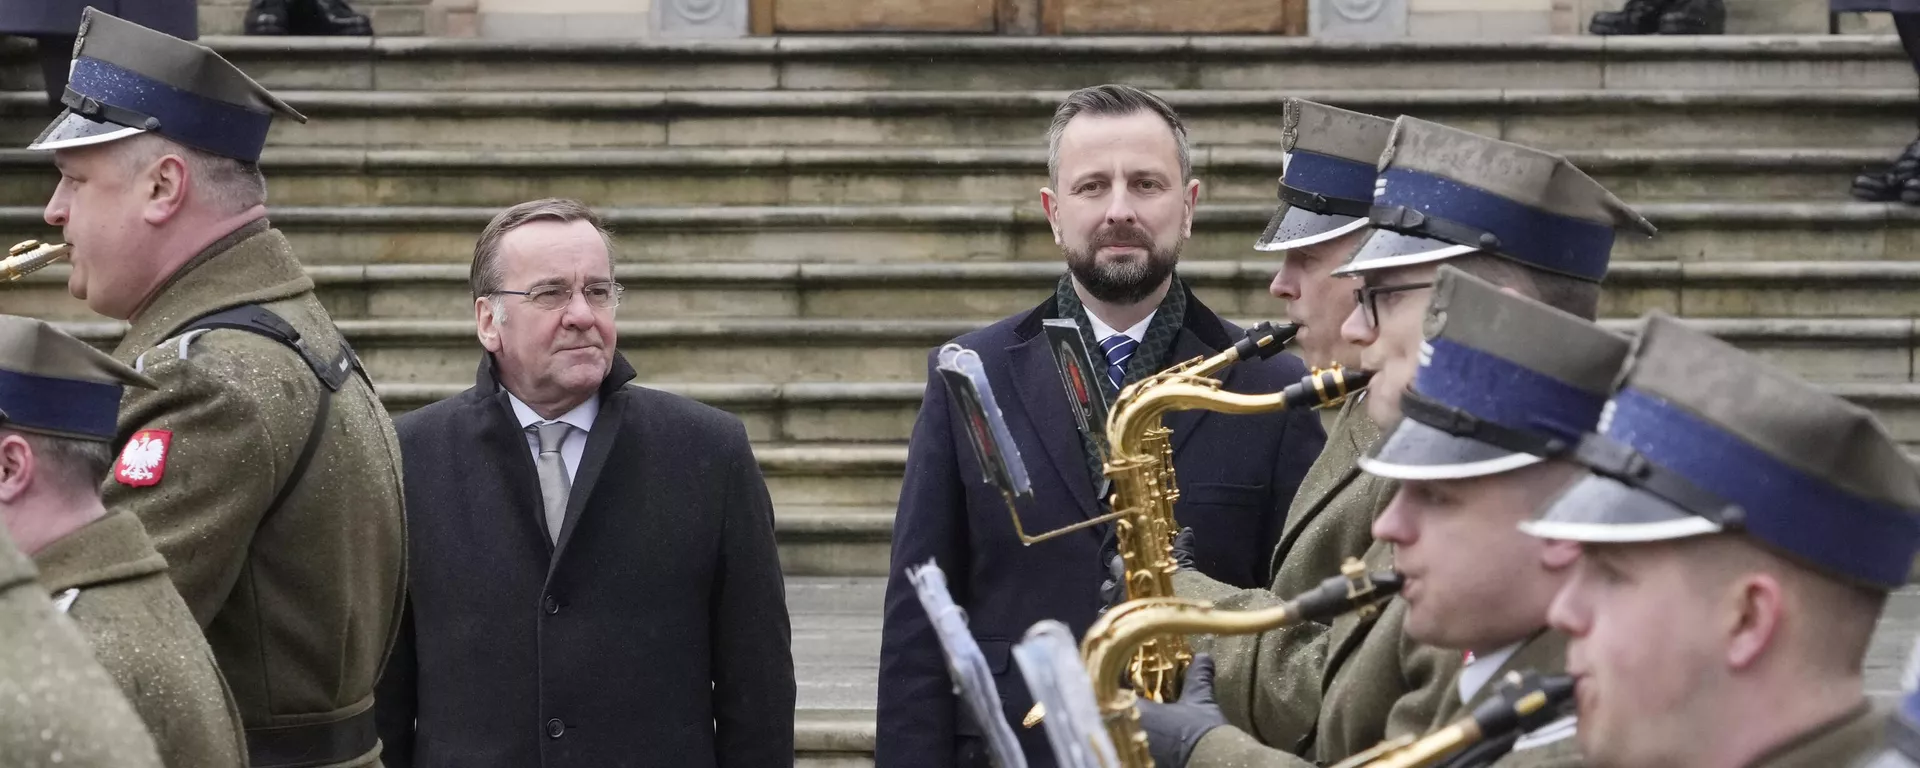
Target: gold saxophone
{"type": "Point", "coordinates": [1114, 642]}
{"type": "Point", "coordinates": [30, 256]}
{"type": "Point", "coordinates": [1140, 464]}
{"type": "Point", "coordinates": [1524, 702]}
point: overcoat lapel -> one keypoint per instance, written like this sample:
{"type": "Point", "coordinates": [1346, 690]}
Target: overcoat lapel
{"type": "Point", "coordinates": [498, 433]}
{"type": "Point", "coordinates": [608, 427]}
{"type": "Point", "coordinates": [1184, 423]}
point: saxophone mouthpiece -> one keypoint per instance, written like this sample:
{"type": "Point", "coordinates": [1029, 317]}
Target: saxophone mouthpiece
{"type": "Point", "coordinates": [1265, 340]}
{"type": "Point", "coordinates": [1355, 589]}
{"type": "Point", "coordinates": [29, 257]}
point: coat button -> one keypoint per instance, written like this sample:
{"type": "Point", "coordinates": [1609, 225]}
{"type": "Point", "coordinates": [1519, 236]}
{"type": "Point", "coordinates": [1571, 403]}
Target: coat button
{"type": "Point", "coordinates": [555, 728]}
{"type": "Point", "coordinates": [553, 607]}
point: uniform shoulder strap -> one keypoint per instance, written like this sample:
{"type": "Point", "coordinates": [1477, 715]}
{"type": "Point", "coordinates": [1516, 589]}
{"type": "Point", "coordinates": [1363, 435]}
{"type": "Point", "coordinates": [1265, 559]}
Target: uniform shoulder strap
{"type": "Point", "coordinates": [259, 320]}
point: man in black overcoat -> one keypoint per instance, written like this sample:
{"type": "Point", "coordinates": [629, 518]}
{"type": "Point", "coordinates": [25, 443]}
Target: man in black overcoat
{"type": "Point", "coordinates": [1121, 207]}
{"type": "Point", "coordinates": [593, 575]}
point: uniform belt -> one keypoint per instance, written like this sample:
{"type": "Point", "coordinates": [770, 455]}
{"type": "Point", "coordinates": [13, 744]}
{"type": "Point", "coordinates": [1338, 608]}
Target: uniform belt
{"type": "Point", "coordinates": [300, 746]}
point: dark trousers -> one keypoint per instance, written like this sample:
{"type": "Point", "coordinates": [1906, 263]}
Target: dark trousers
{"type": "Point", "coordinates": [55, 54]}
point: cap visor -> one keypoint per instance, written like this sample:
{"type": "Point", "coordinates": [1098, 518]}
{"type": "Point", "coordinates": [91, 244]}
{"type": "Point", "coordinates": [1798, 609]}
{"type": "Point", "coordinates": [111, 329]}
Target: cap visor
{"type": "Point", "coordinates": [1386, 249]}
{"type": "Point", "coordinates": [1293, 227]}
{"type": "Point", "coordinates": [1416, 451]}
{"type": "Point", "coordinates": [1604, 510]}
{"type": "Point", "coordinates": [71, 130]}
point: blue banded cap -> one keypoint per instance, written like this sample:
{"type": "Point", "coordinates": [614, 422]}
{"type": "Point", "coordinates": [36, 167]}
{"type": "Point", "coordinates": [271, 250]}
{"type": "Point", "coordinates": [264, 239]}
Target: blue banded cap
{"type": "Point", "coordinates": [1443, 192]}
{"type": "Point", "coordinates": [1504, 382]}
{"type": "Point", "coordinates": [1327, 186]}
{"type": "Point", "coordinates": [126, 79]}
{"type": "Point", "coordinates": [1701, 438]}
{"type": "Point", "coordinates": [54, 384]}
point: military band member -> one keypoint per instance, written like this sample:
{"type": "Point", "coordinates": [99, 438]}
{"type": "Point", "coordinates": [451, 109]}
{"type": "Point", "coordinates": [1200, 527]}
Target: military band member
{"type": "Point", "coordinates": [264, 467]}
{"type": "Point", "coordinates": [1516, 217]}
{"type": "Point", "coordinates": [1505, 388]}
{"type": "Point", "coordinates": [1740, 531]}
{"type": "Point", "coordinates": [1325, 192]}
{"type": "Point", "coordinates": [61, 708]}
{"type": "Point", "coordinates": [60, 396]}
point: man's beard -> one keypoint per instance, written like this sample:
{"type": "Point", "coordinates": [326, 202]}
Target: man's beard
{"type": "Point", "coordinates": [1126, 282]}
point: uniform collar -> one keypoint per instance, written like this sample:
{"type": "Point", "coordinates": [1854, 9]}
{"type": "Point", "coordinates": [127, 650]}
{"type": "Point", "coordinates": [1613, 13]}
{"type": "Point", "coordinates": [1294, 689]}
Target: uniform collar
{"type": "Point", "coordinates": [252, 265]}
{"type": "Point", "coordinates": [1839, 741]}
{"type": "Point", "coordinates": [1480, 670]}
{"type": "Point", "coordinates": [113, 548]}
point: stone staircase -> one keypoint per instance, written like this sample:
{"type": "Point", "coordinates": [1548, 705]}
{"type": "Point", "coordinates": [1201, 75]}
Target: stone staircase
{"type": "Point", "coordinates": [801, 219]}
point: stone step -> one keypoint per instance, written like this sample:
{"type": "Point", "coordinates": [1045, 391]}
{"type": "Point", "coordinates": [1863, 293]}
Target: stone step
{"type": "Point", "coordinates": [1837, 231]}
{"type": "Point", "coordinates": [845, 600]}
{"type": "Point", "coordinates": [880, 414]}
{"type": "Point", "coordinates": [989, 291]}
{"type": "Point", "coordinates": [1051, 63]}
{"type": "Point", "coordinates": [890, 176]}
{"type": "Point", "coordinates": [1562, 119]}
{"type": "Point", "coordinates": [1867, 350]}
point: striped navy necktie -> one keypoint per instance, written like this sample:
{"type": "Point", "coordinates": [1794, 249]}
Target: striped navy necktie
{"type": "Point", "coordinates": [1118, 347]}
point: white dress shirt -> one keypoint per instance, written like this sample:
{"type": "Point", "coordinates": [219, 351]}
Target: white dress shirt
{"type": "Point", "coordinates": [1101, 330]}
{"type": "Point", "coordinates": [581, 418]}
{"type": "Point", "coordinates": [1479, 671]}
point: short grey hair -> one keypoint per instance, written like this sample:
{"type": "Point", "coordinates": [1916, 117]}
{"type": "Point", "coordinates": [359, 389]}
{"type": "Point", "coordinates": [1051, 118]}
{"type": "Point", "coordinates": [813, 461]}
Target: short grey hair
{"type": "Point", "coordinates": [70, 463]}
{"type": "Point", "coordinates": [227, 185]}
{"type": "Point", "coordinates": [1114, 101]}
{"type": "Point", "coordinates": [487, 275]}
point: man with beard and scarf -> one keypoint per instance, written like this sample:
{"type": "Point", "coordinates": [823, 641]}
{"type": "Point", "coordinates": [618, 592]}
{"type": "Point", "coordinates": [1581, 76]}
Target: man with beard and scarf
{"type": "Point", "coordinates": [1120, 205]}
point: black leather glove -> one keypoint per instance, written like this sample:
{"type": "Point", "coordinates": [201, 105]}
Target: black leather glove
{"type": "Point", "coordinates": [1183, 549]}
{"type": "Point", "coordinates": [1174, 729]}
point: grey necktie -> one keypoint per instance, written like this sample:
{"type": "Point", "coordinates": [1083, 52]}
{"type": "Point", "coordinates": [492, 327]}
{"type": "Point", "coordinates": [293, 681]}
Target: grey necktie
{"type": "Point", "coordinates": [553, 474]}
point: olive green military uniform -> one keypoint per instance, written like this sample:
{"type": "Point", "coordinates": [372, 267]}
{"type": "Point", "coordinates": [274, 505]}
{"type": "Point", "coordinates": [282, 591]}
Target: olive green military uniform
{"type": "Point", "coordinates": [1386, 659]}
{"type": "Point", "coordinates": [1847, 740]}
{"type": "Point", "coordinates": [57, 706]}
{"type": "Point", "coordinates": [1272, 685]}
{"type": "Point", "coordinates": [300, 607]}
{"type": "Point", "coordinates": [145, 637]}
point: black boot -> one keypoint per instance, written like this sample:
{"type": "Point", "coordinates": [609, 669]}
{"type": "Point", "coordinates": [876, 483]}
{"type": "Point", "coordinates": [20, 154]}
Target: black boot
{"type": "Point", "coordinates": [266, 17]}
{"type": "Point", "coordinates": [1895, 182]}
{"type": "Point", "coordinates": [329, 17]}
{"type": "Point", "coordinates": [1695, 17]}
{"type": "Point", "coordinates": [1638, 17]}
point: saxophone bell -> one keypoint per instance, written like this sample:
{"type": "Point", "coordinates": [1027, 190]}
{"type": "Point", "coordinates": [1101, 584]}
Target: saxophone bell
{"type": "Point", "coordinates": [30, 256]}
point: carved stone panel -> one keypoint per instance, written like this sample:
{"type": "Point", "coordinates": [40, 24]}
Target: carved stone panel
{"type": "Point", "coordinates": [700, 18]}
{"type": "Point", "coordinates": [1358, 19]}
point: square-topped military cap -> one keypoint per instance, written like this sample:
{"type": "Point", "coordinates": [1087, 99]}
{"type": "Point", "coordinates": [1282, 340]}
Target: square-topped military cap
{"type": "Point", "coordinates": [126, 79]}
{"type": "Point", "coordinates": [54, 384]}
{"type": "Point", "coordinates": [1504, 382]}
{"type": "Point", "coordinates": [1326, 187]}
{"type": "Point", "coordinates": [1702, 438]}
{"type": "Point", "coordinates": [1443, 192]}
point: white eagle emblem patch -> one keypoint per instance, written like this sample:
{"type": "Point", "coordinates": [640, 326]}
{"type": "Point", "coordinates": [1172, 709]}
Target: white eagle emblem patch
{"type": "Point", "coordinates": [144, 461]}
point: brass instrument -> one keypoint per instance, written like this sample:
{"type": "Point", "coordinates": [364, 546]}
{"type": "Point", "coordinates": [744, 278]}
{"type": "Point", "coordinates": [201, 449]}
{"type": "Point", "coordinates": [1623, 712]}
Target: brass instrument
{"type": "Point", "coordinates": [1140, 464]}
{"type": "Point", "coordinates": [30, 256]}
{"type": "Point", "coordinates": [1525, 702]}
{"type": "Point", "coordinates": [1112, 644]}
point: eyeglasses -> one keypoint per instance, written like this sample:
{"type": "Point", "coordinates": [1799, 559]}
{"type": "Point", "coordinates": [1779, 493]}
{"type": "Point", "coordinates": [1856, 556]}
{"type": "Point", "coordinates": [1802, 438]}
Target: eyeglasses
{"type": "Point", "coordinates": [555, 297]}
{"type": "Point", "coordinates": [1369, 298]}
